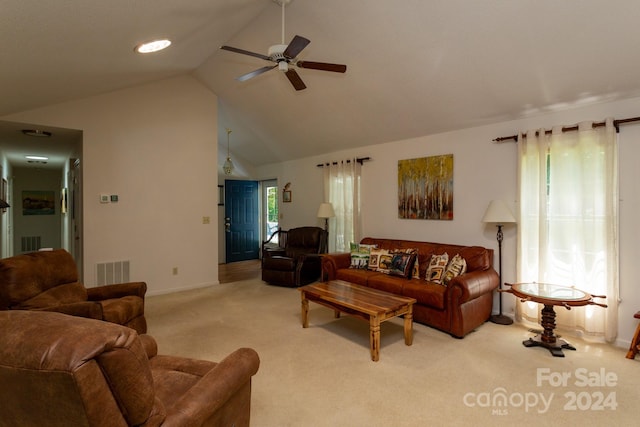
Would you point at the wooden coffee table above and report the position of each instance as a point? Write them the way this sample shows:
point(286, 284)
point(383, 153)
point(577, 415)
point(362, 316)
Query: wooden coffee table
point(362, 302)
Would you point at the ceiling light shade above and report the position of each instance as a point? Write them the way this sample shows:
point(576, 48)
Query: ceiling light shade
point(499, 213)
point(38, 133)
point(228, 165)
point(326, 211)
point(4, 205)
point(153, 46)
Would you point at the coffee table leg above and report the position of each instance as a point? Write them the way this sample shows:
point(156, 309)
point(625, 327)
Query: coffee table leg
point(305, 310)
point(408, 327)
point(374, 340)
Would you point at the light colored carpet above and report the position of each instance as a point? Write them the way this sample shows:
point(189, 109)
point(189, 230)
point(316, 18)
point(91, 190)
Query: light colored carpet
point(324, 376)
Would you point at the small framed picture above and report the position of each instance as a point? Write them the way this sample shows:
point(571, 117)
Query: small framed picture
point(286, 196)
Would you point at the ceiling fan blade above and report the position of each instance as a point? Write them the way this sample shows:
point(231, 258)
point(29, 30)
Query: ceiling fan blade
point(295, 47)
point(295, 79)
point(324, 66)
point(245, 52)
point(254, 73)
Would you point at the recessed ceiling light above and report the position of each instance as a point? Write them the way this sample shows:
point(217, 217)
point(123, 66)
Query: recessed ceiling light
point(153, 46)
point(37, 157)
point(37, 133)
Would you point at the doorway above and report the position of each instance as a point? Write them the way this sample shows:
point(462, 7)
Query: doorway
point(241, 220)
point(55, 174)
point(270, 212)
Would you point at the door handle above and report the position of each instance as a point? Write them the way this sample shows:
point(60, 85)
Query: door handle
point(227, 224)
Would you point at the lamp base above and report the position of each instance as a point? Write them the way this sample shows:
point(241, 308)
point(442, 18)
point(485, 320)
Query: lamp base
point(501, 319)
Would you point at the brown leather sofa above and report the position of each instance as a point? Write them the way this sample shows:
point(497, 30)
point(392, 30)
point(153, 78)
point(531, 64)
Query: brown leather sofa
point(60, 370)
point(48, 280)
point(297, 262)
point(457, 308)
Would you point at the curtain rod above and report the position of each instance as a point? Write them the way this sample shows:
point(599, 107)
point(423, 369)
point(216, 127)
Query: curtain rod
point(616, 124)
point(360, 160)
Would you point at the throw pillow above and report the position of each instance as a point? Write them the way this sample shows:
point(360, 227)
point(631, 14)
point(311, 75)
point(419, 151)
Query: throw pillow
point(415, 270)
point(456, 267)
point(401, 264)
point(437, 267)
point(380, 260)
point(360, 255)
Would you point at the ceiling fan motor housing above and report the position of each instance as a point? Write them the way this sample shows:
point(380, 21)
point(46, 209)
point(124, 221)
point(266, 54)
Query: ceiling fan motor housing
point(276, 52)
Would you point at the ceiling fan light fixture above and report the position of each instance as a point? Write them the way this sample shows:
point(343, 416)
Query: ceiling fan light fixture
point(38, 133)
point(283, 66)
point(228, 164)
point(153, 46)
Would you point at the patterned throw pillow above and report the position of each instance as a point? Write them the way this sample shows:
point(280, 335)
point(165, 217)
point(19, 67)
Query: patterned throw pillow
point(360, 255)
point(402, 263)
point(380, 260)
point(456, 267)
point(415, 266)
point(437, 267)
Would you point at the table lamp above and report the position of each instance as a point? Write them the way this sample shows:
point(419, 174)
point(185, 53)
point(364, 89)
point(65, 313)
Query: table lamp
point(499, 213)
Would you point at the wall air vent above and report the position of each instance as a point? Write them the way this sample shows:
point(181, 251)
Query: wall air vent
point(110, 273)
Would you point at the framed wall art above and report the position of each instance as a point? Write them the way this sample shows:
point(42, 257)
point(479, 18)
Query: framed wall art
point(286, 196)
point(38, 203)
point(425, 188)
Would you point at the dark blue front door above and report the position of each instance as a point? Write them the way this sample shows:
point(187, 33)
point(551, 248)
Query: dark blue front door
point(242, 233)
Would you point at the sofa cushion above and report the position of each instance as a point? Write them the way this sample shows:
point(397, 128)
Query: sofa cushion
point(437, 267)
point(387, 283)
point(456, 267)
point(354, 275)
point(279, 263)
point(477, 258)
point(60, 295)
point(426, 293)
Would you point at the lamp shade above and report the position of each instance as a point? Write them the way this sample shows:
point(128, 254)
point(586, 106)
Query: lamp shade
point(498, 212)
point(326, 211)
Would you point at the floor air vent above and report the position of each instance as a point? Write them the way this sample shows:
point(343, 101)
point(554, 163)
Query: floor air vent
point(109, 273)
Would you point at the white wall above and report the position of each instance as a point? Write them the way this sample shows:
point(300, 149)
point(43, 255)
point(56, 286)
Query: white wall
point(155, 146)
point(483, 171)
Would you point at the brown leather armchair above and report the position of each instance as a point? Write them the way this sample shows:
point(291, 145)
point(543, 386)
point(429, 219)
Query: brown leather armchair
point(297, 263)
point(59, 370)
point(48, 280)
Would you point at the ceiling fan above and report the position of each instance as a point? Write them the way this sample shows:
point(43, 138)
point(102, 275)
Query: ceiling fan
point(285, 58)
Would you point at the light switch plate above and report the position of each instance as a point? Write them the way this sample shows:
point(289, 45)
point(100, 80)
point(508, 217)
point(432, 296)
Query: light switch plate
point(104, 198)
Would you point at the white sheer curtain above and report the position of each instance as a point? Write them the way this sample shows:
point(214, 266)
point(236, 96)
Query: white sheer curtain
point(342, 189)
point(568, 222)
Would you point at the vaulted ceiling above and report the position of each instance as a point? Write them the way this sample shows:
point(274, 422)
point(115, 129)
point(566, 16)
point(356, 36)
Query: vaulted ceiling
point(414, 67)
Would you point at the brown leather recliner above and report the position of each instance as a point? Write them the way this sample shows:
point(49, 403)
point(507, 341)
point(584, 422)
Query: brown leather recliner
point(60, 370)
point(48, 280)
point(298, 262)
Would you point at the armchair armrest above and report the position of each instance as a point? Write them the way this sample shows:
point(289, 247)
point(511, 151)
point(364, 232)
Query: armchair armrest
point(214, 389)
point(333, 262)
point(88, 309)
point(149, 344)
point(117, 291)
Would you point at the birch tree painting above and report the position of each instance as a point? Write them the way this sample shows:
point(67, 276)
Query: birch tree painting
point(425, 188)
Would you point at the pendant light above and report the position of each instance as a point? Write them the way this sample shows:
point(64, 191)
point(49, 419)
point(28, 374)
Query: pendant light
point(228, 165)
